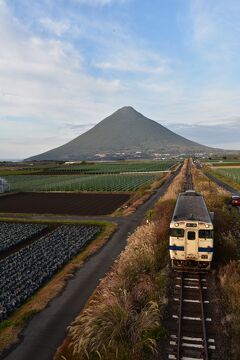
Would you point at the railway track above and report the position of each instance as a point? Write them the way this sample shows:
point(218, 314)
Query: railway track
point(188, 184)
point(191, 332)
point(190, 328)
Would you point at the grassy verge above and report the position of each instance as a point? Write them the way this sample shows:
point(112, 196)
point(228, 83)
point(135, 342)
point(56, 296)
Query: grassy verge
point(11, 328)
point(222, 177)
point(227, 256)
point(53, 221)
point(123, 319)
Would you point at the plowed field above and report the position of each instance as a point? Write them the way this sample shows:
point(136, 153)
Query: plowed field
point(62, 203)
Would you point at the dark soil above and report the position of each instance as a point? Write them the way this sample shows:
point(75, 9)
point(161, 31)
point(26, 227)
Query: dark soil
point(62, 203)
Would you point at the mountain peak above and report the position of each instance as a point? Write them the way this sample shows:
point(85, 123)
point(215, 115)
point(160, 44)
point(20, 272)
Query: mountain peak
point(127, 108)
point(125, 133)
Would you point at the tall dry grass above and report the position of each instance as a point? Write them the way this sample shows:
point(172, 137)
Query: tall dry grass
point(227, 254)
point(123, 319)
point(177, 185)
point(226, 222)
point(230, 282)
point(214, 195)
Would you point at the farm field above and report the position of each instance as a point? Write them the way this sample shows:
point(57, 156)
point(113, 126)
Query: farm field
point(223, 163)
point(12, 234)
point(113, 168)
point(62, 203)
point(23, 272)
point(232, 173)
point(102, 183)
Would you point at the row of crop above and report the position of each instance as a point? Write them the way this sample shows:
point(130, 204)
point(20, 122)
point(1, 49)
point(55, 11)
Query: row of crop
point(109, 183)
point(15, 233)
point(110, 168)
point(232, 173)
point(24, 272)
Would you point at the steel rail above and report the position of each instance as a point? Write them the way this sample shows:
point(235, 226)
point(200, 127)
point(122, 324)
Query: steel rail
point(188, 178)
point(179, 336)
point(205, 342)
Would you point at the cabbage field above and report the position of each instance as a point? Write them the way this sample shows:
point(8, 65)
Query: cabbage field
point(12, 234)
point(232, 173)
point(113, 168)
point(102, 183)
point(23, 272)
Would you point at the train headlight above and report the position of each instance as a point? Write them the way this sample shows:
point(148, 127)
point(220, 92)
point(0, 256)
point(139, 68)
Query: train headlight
point(176, 224)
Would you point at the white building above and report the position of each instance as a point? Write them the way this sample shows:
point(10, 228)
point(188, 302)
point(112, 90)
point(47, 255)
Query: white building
point(4, 186)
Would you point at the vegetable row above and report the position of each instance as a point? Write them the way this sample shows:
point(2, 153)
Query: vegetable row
point(24, 272)
point(14, 233)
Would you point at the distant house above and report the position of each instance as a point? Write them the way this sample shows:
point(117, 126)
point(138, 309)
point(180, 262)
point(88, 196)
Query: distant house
point(4, 186)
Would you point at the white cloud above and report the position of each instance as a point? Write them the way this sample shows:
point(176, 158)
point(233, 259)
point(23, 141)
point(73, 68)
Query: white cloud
point(44, 78)
point(223, 134)
point(135, 61)
point(58, 28)
point(50, 78)
point(44, 81)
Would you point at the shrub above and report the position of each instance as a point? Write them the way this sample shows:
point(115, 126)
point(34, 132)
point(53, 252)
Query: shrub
point(123, 319)
point(230, 281)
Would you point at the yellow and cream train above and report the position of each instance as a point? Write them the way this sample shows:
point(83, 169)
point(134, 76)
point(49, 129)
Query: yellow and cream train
point(191, 233)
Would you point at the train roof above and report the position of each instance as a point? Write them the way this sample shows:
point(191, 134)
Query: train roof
point(191, 206)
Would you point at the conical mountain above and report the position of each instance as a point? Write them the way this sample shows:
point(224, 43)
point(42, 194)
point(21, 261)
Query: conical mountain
point(124, 133)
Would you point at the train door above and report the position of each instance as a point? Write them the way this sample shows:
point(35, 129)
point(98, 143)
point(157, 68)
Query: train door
point(191, 244)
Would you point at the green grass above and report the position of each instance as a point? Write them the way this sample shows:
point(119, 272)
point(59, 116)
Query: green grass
point(102, 183)
point(232, 173)
point(5, 323)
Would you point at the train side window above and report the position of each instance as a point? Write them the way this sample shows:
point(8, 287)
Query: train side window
point(177, 232)
point(191, 235)
point(205, 234)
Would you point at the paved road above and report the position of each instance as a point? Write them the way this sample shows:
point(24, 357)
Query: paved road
point(47, 330)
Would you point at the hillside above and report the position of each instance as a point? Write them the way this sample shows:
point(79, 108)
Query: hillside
point(124, 134)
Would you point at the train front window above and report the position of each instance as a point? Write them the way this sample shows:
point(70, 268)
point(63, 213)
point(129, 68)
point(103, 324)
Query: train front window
point(205, 234)
point(191, 235)
point(177, 232)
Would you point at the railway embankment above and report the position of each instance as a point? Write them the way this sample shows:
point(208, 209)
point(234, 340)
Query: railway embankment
point(123, 319)
point(226, 262)
point(223, 181)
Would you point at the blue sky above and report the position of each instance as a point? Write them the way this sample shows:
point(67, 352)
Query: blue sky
point(66, 65)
